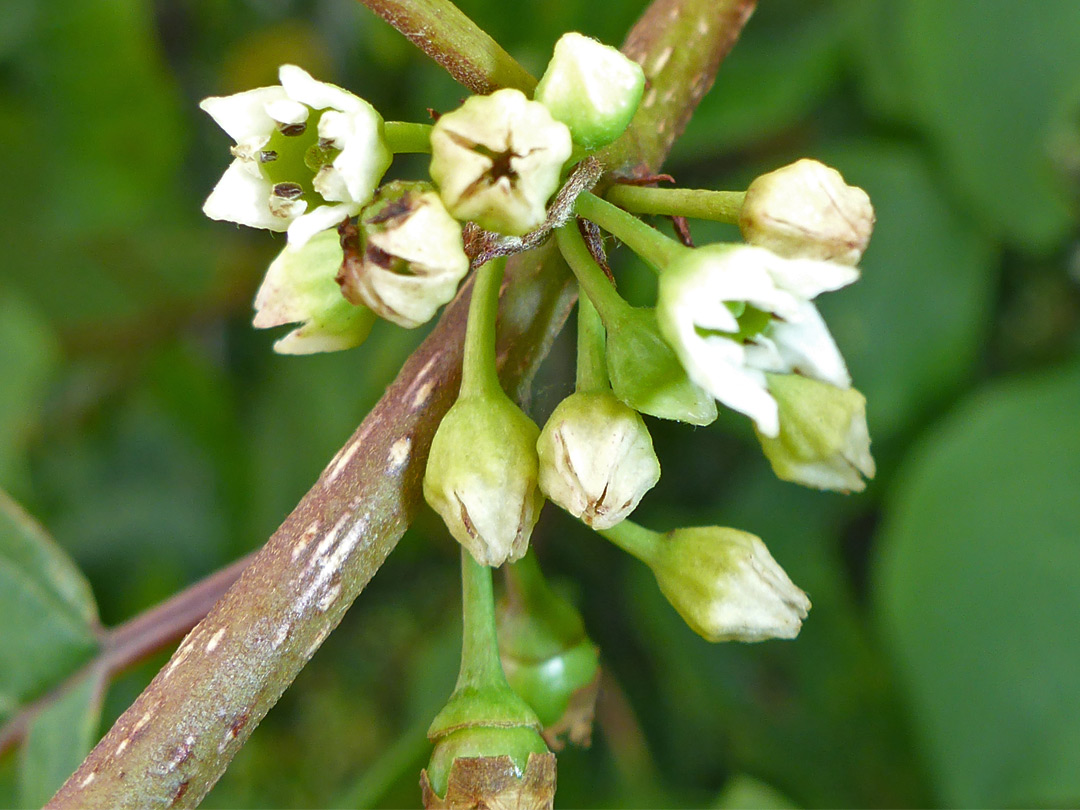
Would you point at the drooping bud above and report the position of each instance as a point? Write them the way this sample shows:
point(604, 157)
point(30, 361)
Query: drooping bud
point(482, 477)
point(823, 442)
point(596, 458)
point(806, 210)
point(411, 255)
point(299, 288)
point(547, 656)
point(726, 585)
point(497, 159)
point(592, 88)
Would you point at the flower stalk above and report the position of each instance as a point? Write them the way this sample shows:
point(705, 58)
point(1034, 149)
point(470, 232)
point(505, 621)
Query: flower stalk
point(478, 375)
point(405, 137)
point(718, 206)
point(651, 245)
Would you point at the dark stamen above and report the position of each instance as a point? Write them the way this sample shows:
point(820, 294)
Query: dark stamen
point(267, 156)
point(292, 130)
point(288, 191)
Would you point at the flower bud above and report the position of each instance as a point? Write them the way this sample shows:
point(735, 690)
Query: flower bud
point(646, 373)
point(412, 256)
point(546, 655)
point(481, 477)
point(592, 88)
point(806, 210)
point(596, 458)
point(299, 288)
point(497, 160)
point(823, 440)
point(727, 586)
point(465, 771)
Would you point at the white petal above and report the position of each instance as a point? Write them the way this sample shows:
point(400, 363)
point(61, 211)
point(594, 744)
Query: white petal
point(307, 339)
point(364, 155)
point(301, 87)
point(717, 364)
point(243, 198)
point(809, 349)
point(243, 115)
point(807, 278)
point(287, 111)
point(331, 185)
point(319, 219)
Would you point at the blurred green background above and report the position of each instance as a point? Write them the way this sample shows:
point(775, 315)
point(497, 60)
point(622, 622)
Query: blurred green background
point(157, 437)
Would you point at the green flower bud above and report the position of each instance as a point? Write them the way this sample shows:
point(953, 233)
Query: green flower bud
point(727, 586)
point(823, 440)
point(497, 159)
point(412, 256)
point(546, 655)
point(299, 288)
point(481, 477)
point(806, 210)
point(646, 373)
point(596, 458)
point(592, 88)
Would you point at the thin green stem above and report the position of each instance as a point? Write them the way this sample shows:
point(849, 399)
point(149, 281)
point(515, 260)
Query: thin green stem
point(480, 665)
point(590, 277)
point(405, 136)
point(720, 206)
point(478, 374)
point(591, 346)
point(648, 243)
point(634, 539)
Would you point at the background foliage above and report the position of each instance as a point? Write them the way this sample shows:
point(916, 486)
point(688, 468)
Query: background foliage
point(157, 437)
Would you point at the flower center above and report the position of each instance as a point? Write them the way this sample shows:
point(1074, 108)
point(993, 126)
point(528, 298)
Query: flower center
point(293, 156)
point(752, 322)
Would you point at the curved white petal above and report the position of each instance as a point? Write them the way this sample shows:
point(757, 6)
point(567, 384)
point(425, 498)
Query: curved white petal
point(809, 349)
point(243, 198)
point(364, 155)
point(318, 219)
point(287, 111)
point(301, 87)
point(243, 115)
point(807, 278)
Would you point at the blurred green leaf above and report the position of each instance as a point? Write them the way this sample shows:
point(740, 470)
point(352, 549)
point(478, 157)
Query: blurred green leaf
point(986, 80)
point(28, 358)
point(49, 617)
point(912, 327)
point(59, 738)
point(976, 594)
point(744, 792)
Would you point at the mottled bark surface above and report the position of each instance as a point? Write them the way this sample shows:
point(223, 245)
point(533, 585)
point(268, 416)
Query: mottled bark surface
point(170, 747)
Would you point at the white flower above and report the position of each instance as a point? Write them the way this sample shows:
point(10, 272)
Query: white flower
point(300, 288)
point(806, 210)
point(592, 88)
point(734, 312)
point(412, 259)
point(727, 586)
point(497, 159)
point(596, 458)
point(308, 154)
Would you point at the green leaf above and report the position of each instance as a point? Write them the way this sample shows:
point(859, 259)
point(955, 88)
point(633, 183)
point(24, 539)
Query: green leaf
point(988, 82)
point(49, 616)
point(28, 356)
point(743, 792)
point(911, 328)
point(59, 738)
point(977, 598)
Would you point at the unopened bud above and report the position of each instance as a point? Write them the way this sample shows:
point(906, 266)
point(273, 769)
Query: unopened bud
point(412, 257)
point(592, 88)
point(497, 160)
point(471, 779)
point(806, 210)
point(596, 458)
point(823, 441)
point(481, 477)
point(299, 288)
point(727, 586)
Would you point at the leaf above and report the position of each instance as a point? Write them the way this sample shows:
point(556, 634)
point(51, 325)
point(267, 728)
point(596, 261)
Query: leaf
point(49, 616)
point(743, 792)
point(912, 327)
point(59, 738)
point(976, 594)
point(987, 83)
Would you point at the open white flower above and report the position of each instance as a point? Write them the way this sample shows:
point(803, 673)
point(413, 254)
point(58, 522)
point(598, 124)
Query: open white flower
point(734, 312)
point(308, 154)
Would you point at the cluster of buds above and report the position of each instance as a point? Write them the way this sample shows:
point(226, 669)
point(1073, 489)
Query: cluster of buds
point(734, 324)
